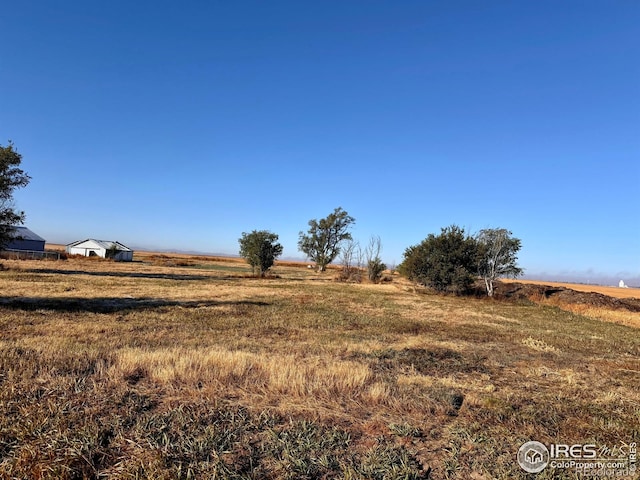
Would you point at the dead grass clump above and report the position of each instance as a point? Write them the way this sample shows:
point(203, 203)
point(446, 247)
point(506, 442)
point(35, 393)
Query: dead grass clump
point(333, 379)
point(539, 345)
point(275, 375)
point(378, 393)
point(350, 275)
point(175, 366)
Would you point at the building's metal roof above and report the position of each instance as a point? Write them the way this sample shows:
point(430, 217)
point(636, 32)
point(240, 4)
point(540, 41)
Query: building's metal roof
point(106, 244)
point(23, 233)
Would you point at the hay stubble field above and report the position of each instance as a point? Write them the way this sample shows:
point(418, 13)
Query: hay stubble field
point(177, 366)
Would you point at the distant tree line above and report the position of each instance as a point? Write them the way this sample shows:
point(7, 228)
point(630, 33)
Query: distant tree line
point(449, 262)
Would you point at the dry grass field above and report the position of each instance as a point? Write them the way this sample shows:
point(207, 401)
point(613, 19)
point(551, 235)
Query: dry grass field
point(176, 366)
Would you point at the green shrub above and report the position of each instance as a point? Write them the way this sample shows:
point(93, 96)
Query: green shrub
point(445, 262)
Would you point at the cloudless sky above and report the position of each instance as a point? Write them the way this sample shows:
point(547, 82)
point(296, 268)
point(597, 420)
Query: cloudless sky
point(179, 125)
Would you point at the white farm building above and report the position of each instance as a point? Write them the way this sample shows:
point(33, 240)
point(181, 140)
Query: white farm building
point(101, 248)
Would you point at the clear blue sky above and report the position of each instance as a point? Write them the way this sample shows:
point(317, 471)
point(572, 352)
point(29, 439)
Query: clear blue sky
point(179, 125)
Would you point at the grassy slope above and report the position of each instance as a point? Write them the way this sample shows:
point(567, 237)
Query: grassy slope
point(615, 292)
point(163, 371)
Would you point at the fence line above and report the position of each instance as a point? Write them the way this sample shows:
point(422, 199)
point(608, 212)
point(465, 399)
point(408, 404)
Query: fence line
point(28, 254)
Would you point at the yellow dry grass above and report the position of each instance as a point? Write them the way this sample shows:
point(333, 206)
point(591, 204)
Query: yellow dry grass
point(288, 375)
point(621, 316)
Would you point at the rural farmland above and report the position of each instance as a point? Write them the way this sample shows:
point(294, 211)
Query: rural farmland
point(178, 366)
point(430, 162)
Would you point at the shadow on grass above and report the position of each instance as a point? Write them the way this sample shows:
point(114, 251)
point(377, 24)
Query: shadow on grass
point(434, 361)
point(110, 304)
point(162, 276)
point(172, 276)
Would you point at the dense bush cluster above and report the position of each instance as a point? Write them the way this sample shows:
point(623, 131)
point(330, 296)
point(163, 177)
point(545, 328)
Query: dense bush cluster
point(444, 262)
point(452, 260)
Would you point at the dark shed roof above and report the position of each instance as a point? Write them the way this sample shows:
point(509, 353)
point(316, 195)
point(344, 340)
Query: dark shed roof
point(23, 233)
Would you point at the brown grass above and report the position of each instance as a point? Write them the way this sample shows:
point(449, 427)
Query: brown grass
point(590, 302)
point(620, 316)
point(154, 369)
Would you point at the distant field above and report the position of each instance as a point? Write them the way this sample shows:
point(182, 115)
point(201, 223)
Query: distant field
point(580, 287)
point(186, 367)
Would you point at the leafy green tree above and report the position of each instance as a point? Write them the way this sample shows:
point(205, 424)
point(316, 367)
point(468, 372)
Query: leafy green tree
point(322, 241)
point(445, 262)
point(11, 177)
point(260, 249)
point(497, 256)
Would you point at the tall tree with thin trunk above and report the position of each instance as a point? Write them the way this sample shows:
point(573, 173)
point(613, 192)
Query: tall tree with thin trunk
point(351, 261)
point(11, 178)
point(322, 241)
point(497, 256)
point(375, 267)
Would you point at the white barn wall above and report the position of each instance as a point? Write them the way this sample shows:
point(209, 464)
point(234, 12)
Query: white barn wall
point(99, 248)
point(86, 247)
